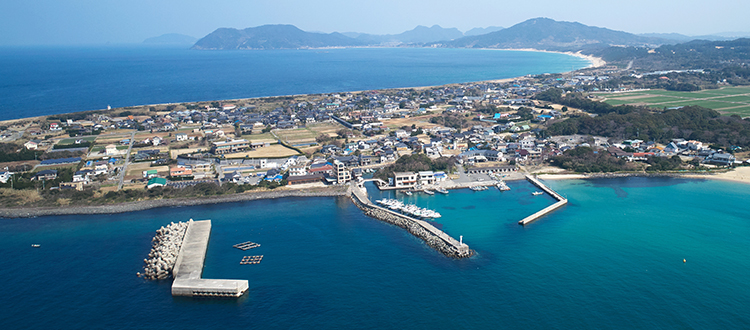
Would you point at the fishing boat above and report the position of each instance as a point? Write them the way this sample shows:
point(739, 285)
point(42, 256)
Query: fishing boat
point(408, 193)
point(478, 188)
point(502, 186)
point(36, 245)
point(537, 193)
point(441, 190)
point(429, 192)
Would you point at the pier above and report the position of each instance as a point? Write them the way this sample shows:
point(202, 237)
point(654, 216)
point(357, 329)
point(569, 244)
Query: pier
point(434, 237)
point(188, 268)
point(560, 202)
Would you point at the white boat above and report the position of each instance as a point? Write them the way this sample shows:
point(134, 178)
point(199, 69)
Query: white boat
point(408, 193)
point(36, 245)
point(441, 190)
point(537, 193)
point(429, 192)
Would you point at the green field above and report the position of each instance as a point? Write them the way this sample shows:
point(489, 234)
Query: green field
point(73, 140)
point(728, 100)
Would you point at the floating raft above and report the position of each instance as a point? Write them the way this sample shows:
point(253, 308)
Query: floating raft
point(246, 245)
point(251, 260)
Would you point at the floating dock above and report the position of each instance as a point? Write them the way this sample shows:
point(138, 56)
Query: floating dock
point(560, 202)
point(188, 268)
point(246, 245)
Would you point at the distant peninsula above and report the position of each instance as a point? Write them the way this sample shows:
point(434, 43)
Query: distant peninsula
point(537, 33)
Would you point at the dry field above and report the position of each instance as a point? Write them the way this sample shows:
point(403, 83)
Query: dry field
point(273, 151)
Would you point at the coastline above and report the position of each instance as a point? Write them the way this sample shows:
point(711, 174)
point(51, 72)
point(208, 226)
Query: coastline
point(594, 62)
point(30, 212)
point(738, 175)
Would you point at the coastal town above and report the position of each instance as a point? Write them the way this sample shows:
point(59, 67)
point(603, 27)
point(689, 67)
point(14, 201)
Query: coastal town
point(321, 140)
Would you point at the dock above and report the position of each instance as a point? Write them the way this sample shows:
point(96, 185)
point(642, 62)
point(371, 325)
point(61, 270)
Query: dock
point(188, 268)
point(560, 202)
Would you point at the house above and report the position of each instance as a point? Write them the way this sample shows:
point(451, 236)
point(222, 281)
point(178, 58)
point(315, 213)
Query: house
point(230, 146)
point(72, 185)
point(180, 170)
point(111, 149)
point(401, 134)
point(83, 176)
point(404, 179)
point(32, 144)
point(45, 175)
point(156, 182)
point(54, 127)
point(426, 177)
point(342, 174)
point(302, 179)
point(148, 174)
point(298, 170)
point(181, 137)
point(719, 158)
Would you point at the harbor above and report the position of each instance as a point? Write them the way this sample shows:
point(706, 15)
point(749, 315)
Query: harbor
point(433, 237)
point(188, 268)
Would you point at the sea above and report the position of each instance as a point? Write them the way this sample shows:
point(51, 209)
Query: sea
point(655, 253)
point(626, 253)
point(36, 81)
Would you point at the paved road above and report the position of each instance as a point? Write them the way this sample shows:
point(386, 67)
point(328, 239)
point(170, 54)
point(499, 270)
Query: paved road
point(127, 162)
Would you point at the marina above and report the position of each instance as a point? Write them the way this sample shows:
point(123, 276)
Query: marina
point(409, 209)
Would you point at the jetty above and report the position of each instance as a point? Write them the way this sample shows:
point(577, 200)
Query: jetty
point(434, 237)
point(188, 268)
point(560, 201)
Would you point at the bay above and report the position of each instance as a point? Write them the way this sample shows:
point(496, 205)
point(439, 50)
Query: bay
point(612, 258)
point(53, 80)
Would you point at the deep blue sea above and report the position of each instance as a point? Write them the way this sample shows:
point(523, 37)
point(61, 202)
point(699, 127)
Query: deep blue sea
point(52, 80)
point(611, 259)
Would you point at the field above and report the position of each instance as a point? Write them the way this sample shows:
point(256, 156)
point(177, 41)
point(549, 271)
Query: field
point(728, 100)
point(300, 136)
point(73, 140)
point(272, 151)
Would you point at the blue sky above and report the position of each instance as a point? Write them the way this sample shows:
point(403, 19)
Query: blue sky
point(132, 21)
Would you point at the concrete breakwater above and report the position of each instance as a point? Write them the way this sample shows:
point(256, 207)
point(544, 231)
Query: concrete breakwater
point(560, 202)
point(29, 212)
point(165, 248)
point(434, 237)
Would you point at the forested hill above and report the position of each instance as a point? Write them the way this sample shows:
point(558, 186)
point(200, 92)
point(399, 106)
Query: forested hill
point(548, 34)
point(696, 54)
point(272, 37)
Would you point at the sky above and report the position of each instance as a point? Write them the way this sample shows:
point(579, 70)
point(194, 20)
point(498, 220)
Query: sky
point(76, 22)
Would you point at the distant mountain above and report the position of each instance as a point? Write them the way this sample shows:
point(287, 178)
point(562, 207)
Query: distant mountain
point(420, 34)
point(548, 34)
point(481, 31)
point(171, 39)
point(272, 37)
point(726, 36)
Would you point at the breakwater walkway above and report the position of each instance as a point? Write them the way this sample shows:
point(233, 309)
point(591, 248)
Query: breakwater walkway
point(560, 201)
point(434, 237)
point(188, 268)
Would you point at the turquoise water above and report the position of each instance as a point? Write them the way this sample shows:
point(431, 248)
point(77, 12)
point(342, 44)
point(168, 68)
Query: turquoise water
point(53, 80)
point(612, 258)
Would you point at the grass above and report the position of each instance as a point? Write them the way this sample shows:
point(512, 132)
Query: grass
point(730, 98)
point(73, 140)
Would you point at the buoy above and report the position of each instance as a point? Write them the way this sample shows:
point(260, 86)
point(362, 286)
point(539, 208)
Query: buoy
point(684, 261)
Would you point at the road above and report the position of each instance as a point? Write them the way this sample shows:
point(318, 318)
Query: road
point(127, 162)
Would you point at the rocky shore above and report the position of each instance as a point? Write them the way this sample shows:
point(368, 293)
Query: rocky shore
point(28, 212)
point(165, 247)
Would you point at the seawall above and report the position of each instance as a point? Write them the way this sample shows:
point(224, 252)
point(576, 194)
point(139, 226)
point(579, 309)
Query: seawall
point(28, 212)
point(560, 202)
point(435, 238)
point(188, 269)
